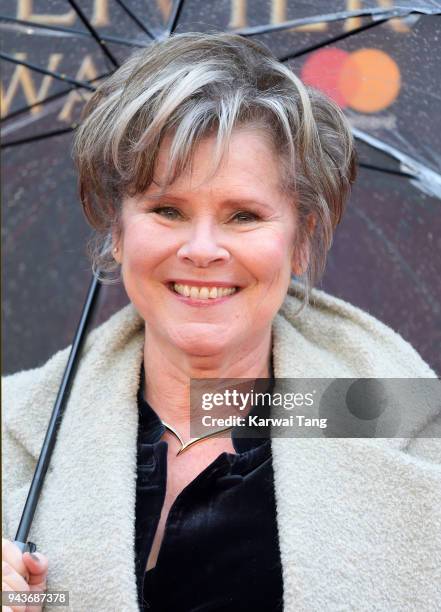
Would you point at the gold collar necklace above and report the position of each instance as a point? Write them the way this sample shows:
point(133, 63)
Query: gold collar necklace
point(187, 445)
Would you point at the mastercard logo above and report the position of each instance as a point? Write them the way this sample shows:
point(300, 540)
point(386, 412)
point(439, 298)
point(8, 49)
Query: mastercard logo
point(367, 80)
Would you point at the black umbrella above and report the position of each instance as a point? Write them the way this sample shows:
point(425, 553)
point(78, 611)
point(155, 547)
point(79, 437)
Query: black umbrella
point(378, 62)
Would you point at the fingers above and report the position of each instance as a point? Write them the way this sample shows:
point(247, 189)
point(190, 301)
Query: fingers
point(13, 579)
point(37, 565)
point(13, 555)
point(23, 572)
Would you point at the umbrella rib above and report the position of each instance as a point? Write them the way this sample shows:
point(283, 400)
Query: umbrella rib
point(61, 29)
point(55, 75)
point(380, 13)
point(25, 109)
point(54, 96)
point(176, 13)
point(388, 170)
point(135, 18)
point(20, 141)
point(333, 39)
point(94, 33)
point(430, 179)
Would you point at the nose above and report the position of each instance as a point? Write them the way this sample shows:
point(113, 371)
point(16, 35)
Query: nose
point(201, 246)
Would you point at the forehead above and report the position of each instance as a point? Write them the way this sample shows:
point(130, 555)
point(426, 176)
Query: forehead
point(250, 164)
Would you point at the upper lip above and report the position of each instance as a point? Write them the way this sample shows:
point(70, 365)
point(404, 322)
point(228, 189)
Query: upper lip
point(201, 283)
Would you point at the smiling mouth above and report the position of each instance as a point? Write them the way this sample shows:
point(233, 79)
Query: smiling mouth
point(202, 293)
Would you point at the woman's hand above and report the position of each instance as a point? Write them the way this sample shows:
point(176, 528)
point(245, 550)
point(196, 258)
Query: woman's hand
point(23, 572)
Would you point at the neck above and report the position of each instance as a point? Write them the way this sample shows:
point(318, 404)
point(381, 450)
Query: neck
point(168, 372)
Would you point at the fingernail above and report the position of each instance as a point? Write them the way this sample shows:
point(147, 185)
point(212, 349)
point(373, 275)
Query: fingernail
point(35, 558)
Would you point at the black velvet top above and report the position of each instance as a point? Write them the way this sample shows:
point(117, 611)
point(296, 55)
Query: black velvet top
point(220, 550)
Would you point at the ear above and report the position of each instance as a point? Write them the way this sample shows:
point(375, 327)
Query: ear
point(116, 246)
point(300, 260)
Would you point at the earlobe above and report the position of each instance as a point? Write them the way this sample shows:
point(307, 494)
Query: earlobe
point(116, 245)
point(115, 252)
point(300, 260)
point(116, 248)
point(312, 222)
point(297, 269)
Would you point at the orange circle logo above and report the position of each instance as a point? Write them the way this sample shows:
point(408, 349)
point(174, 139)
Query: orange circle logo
point(367, 80)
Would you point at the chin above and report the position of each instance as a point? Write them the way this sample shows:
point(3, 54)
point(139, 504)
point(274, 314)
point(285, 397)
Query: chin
point(202, 340)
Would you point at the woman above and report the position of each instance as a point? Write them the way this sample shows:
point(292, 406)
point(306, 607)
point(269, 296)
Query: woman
point(212, 175)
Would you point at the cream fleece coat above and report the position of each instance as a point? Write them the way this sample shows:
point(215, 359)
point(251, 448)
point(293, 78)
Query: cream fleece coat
point(359, 519)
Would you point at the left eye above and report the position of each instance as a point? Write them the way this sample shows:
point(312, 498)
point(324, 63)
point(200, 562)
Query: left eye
point(244, 217)
point(169, 212)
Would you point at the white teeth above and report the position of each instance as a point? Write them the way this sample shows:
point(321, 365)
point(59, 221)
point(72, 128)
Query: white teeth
point(203, 293)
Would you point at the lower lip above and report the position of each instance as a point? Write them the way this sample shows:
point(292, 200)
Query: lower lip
point(198, 302)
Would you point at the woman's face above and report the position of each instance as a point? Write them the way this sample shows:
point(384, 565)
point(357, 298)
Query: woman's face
point(234, 231)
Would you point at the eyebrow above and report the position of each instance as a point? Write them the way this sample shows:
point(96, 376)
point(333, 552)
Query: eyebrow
point(248, 202)
point(230, 202)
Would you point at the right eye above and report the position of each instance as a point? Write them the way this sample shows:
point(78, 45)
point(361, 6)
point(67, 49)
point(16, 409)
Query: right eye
point(169, 212)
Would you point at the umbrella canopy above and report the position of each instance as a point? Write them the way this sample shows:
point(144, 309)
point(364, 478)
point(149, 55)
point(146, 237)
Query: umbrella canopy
point(377, 59)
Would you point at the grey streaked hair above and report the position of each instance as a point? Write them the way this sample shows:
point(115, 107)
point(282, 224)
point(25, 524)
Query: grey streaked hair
point(193, 85)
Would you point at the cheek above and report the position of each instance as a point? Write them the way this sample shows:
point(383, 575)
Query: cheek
point(272, 254)
point(144, 245)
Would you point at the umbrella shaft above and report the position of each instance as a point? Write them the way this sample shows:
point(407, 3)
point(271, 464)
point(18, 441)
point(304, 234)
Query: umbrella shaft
point(57, 414)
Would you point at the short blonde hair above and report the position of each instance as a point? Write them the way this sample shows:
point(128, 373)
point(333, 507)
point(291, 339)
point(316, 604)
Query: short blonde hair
point(193, 85)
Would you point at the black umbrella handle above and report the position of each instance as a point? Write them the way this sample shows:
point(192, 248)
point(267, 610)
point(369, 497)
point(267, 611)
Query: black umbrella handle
point(55, 420)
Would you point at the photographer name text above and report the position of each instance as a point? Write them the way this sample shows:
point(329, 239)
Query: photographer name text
point(298, 420)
